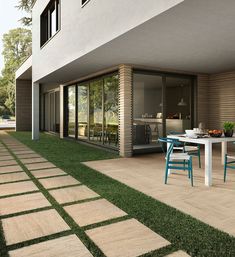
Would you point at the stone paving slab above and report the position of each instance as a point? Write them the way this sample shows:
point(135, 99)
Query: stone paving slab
point(13, 177)
point(178, 254)
point(34, 225)
point(19, 149)
point(2, 150)
point(39, 166)
point(48, 173)
point(73, 194)
point(24, 152)
point(28, 156)
point(6, 157)
point(7, 163)
point(69, 246)
point(22, 203)
point(33, 160)
point(128, 238)
point(9, 169)
point(17, 188)
point(50, 183)
point(93, 212)
point(6, 153)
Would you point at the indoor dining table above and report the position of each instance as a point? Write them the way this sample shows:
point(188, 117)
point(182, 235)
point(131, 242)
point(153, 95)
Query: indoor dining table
point(208, 143)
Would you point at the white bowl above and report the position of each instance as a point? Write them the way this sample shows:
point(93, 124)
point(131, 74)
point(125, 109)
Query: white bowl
point(190, 133)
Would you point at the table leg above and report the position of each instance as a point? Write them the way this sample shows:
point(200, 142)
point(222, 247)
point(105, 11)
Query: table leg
point(208, 164)
point(224, 150)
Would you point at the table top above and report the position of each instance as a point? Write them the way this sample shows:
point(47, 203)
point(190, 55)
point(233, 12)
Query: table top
point(206, 140)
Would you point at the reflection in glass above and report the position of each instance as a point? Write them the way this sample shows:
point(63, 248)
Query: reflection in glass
point(71, 110)
point(147, 111)
point(178, 104)
point(111, 111)
point(96, 111)
point(83, 112)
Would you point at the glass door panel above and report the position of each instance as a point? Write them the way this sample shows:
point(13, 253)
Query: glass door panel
point(178, 104)
point(71, 110)
point(147, 111)
point(83, 111)
point(57, 112)
point(111, 111)
point(96, 111)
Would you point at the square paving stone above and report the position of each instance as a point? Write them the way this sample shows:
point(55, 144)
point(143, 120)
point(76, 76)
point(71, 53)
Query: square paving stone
point(178, 254)
point(28, 156)
point(38, 166)
point(9, 169)
point(17, 188)
point(12, 177)
point(33, 160)
point(7, 163)
point(93, 212)
point(128, 238)
point(68, 246)
point(6, 157)
point(24, 152)
point(34, 225)
point(73, 194)
point(48, 173)
point(22, 203)
point(62, 181)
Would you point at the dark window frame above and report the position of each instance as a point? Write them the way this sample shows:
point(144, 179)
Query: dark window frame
point(46, 21)
point(84, 2)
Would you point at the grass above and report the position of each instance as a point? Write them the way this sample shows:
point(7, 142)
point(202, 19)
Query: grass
point(183, 231)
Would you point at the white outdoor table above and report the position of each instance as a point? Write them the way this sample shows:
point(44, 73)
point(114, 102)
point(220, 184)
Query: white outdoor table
point(208, 142)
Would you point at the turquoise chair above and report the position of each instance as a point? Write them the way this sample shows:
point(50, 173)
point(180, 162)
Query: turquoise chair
point(229, 163)
point(176, 161)
point(193, 150)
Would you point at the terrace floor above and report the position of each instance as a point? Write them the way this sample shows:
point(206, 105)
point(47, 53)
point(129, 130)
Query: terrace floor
point(213, 205)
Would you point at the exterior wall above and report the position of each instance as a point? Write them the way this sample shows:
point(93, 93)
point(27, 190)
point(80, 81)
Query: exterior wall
point(125, 111)
point(23, 105)
point(221, 99)
point(77, 28)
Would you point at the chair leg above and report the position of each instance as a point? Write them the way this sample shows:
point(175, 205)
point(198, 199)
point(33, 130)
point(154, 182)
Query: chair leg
point(191, 171)
point(166, 173)
point(225, 168)
point(189, 175)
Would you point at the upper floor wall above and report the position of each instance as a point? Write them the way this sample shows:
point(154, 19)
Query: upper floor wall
point(83, 29)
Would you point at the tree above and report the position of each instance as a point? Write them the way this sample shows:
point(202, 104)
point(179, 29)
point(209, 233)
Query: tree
point(16, 48)
point(26, 5)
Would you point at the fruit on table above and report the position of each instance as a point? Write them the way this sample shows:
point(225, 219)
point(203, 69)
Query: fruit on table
point(215, 131)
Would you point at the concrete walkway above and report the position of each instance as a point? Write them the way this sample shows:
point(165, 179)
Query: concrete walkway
point(29, 218)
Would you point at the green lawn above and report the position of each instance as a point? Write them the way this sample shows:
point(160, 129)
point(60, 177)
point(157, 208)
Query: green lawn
point(183, 231)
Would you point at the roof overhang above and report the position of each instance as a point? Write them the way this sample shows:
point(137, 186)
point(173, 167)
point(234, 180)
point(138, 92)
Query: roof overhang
point(24, 72)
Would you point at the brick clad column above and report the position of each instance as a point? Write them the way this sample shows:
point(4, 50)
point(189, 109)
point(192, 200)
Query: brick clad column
point(125, 111)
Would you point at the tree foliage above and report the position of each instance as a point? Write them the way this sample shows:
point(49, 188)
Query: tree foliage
point(16, 48)
point(26, 5)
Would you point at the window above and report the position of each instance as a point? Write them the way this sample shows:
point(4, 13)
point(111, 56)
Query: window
point(85, 2)
point(50, 21)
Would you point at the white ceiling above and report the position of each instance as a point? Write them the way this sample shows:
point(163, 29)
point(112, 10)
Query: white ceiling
point(197, 36)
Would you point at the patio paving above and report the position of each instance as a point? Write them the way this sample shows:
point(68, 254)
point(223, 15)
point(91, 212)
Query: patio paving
point(28, 156)
point(48, 173)
point(5, 153)
point(17, 188)
point(34, 225)
point(13, 177)
point(69, 246)
point(9, 169)
point(7, 163)
point(178, 254)
point(128, 238)
point(83, 213)
point(38, 166)
point(22, 203)
point(73, 194)
point(23, 152)
point(6, 157)
point(62, 181)
point(33, 160)
point(212, 205)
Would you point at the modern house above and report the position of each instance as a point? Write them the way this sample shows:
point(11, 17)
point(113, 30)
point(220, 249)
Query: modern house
point(119, 74)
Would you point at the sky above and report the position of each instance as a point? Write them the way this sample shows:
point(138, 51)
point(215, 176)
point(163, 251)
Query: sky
point(9, 19)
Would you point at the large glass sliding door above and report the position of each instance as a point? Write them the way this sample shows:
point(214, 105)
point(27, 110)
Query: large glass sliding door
point(162, 104)
point(96, 105)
